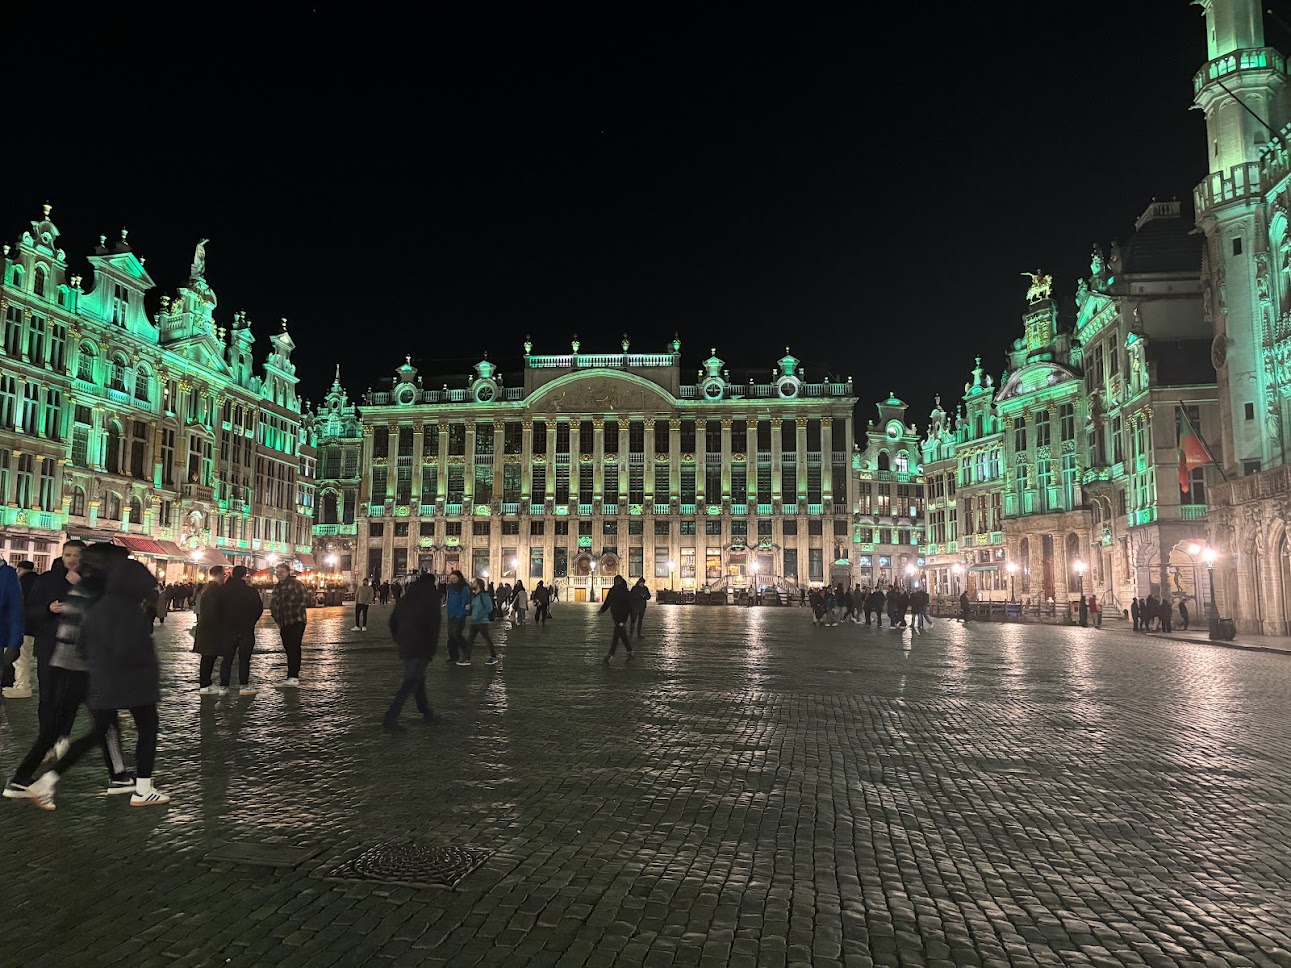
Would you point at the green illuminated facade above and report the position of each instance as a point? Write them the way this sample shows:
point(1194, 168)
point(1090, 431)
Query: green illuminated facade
point(1243, 208)
point(888, 510)
point(596, 464)
point(151, 431)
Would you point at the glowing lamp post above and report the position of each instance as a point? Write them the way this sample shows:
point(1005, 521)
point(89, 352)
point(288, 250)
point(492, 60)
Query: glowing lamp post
point(592, 582)
point(672, 575)
point(753, 570)
point(1012, 567)
point(958, 571)
point(1082, 608)
point(1212, 613)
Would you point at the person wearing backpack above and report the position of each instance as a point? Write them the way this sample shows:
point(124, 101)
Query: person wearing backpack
point(481, 615)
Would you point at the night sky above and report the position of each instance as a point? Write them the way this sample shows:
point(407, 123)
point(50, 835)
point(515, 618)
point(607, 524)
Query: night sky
point(867, 194)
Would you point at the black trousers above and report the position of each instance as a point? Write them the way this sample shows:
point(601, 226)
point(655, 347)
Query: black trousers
point(69, 688)
point(635, 622)
point(293, 634)
point(242, 649)
point(620, 632)
point(105, 721)
point(360, 615)
point(205, 669)
point(414, 684)
point(478, 629)
point(456, 644)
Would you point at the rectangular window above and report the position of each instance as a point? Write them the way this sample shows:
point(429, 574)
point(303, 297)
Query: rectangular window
point(662, 529)
point(379, 484)
point(400, 529)
point(739, 527)
point(480, 528)
point(713, 564)
point(381, 442)
point(636, 484)
point(484, 440)
point(713, 527)
point(636, 562)
point(480, 563)
point(429, 483)
point(765, 528)
point(538, 484)
point(789, 483)
point(688, 484)
point(609, 526)
point(512, 437)
point(636, 526)
point(535, 563)
point(790, 528)
point(636, 437)
point(560, 563)
point(815, 527)
point(661, 561)
point(610, 437)
point(426, 529)
point(456, 483)
point(688, 564)
point(585, 489)
point(687, 527)
point(1067, 417)
point(537, 529)
point(511, 483)
point(376, 529)
point(538, 437)
point(453, 529)
point(510, 526)
point(662, 431)
point(713, 483)
point(561, 528)
point(1118, 442)
point(815, 564)
point(791, 563)
point(841, 528)
point(1042, 437)
point(457, 440)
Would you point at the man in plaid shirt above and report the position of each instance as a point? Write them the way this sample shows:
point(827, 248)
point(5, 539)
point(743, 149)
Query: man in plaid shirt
point(288, 605)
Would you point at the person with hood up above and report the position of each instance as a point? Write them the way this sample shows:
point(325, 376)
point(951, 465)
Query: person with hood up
point(619, 604)
point(123, 674)
point(240, 609)
point(640, 596)
point(67, 675)
point(208, 633)
point(414, 626)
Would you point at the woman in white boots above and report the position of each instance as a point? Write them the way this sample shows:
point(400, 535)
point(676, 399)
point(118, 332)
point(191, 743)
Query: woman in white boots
point(123, 671)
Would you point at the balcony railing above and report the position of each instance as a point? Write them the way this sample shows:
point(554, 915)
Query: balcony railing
point(739, 509)
point(816, 510)
point(426, 510)
point(610, 508)
point(1219, 187)
point(789, 508)
point(509, 507)
point(452, 509)
point(688, 509)
point(1192, 512)
point(584, 510)
point(536, 508)
point(196, 492)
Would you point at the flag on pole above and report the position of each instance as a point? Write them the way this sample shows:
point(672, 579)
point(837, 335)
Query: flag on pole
point(1192, 452)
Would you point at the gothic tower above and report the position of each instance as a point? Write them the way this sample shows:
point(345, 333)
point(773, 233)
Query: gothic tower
point(1242, 91)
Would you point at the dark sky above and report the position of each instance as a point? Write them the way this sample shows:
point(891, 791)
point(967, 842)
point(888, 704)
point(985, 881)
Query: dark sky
point(868, 194)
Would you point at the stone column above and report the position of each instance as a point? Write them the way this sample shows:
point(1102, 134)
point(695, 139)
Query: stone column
point(647, 459)
point(499, 472)
point(701, 463)
point(827, 459)
point(674, 460)
point(418, 450)
point(526, 466)
point(468, 476)
point(598, 462)
point(777, 452)
point(726, 459)
point(800, 446)
point(441, 470)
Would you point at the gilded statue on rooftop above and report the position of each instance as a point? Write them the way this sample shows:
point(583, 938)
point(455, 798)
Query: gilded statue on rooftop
point(1040, 288)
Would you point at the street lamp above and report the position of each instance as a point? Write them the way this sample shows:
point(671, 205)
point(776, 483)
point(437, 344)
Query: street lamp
point(513, 564)
point(753, 570)
point(592, 594)
point(1012, 567)
point(909, 576)
point(958, 570)
point(271, 559)
point(672, 575)
point(1212, 613)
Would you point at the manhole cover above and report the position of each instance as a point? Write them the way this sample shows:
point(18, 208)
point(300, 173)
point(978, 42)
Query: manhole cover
point(264, 855)
point(412, 865)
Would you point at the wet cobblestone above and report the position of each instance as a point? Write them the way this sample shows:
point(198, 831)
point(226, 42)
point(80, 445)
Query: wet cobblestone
point(751, 790)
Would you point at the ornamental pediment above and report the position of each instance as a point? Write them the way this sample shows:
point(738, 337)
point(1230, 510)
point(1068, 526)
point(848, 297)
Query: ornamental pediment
point(605, 392)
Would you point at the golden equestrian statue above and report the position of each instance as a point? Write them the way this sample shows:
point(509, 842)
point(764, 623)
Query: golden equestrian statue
point(1040, 288)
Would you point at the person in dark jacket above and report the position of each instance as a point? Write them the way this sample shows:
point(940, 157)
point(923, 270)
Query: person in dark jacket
point(640, 596)
point(42, 608)
point(414, 626)
point(123, 674)
point(12, 624)
point(619, 604)
point(541, 599)
point(208, 635)
point(240, 609)
point(874, 603)
point(1134, 612)
point(289, 608)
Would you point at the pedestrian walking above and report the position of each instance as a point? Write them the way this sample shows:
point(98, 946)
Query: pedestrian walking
point(289, 608)
point(457, 608)
point(619, 604)
point(1134, 612)
point(24, 663)
point(1183, 614)
point(363, 596)
point(240, 609)
point(875, 602)
point(520, 602)
point(385, 592)
point(208, 634)
point(964, 606)
point(541, 603)
point(481, 614)
point(640, 597)
point(919, 602)
point(67, 676)
point(123, 674)
point(42, 609)
point(414, 626)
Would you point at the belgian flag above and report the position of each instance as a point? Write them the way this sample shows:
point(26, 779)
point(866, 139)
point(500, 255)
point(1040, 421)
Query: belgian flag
point(1192, 452)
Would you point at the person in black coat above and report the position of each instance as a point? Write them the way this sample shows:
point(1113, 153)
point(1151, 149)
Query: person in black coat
point(41, 610)
point(123, 674)
point(414, 626)
point(619, 604)
point(240, 609)
point(640, 595)
point(874, 603)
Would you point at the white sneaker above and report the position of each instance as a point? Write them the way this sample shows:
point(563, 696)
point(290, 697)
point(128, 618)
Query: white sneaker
point(13, 692)
point(289, 683)
point(247, 691)
point(209, 691)
point(41, 793)
point(357, 628)
point(153, 798)
point(222, 690)
point(364, 629)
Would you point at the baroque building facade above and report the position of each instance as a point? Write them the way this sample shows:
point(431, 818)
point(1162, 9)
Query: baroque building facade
point(889, 505)
point(152, 431)
point(1243, 208)
point(599, 464)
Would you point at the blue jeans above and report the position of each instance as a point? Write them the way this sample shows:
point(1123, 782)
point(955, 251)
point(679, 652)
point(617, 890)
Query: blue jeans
point(414, 684)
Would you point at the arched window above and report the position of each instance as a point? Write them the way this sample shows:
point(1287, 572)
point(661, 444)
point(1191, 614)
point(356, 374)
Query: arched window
point(136, 511)
point(903, 464)
point(77, 509)
point(143, 385)
point(15, 277)
point(329, 509)
point(117, 378)
point(112, 450)
point(112, 506)
point(139, 466)
point(85, 363)
point(884, 461)
point(38, 280)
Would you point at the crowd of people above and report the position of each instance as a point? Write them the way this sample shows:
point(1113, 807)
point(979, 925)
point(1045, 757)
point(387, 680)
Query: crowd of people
point(833, 605)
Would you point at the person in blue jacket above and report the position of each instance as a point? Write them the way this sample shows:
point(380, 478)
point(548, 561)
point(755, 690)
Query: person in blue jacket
point(11, 615)
point(481, 615)
point(457, 605)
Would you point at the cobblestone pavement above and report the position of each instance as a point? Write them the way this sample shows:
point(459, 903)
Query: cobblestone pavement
point(752, 790)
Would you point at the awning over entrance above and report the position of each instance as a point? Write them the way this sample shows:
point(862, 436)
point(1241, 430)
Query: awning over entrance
point(92, 534)
point(141, 546)
point(983, 567)
point(306, 559)
point(173, 550)
point(209, 557)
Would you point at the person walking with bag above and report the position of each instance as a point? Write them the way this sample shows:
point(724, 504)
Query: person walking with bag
point(520, 602)
point(541, 603)
point(619, 604)
point(481, 615)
